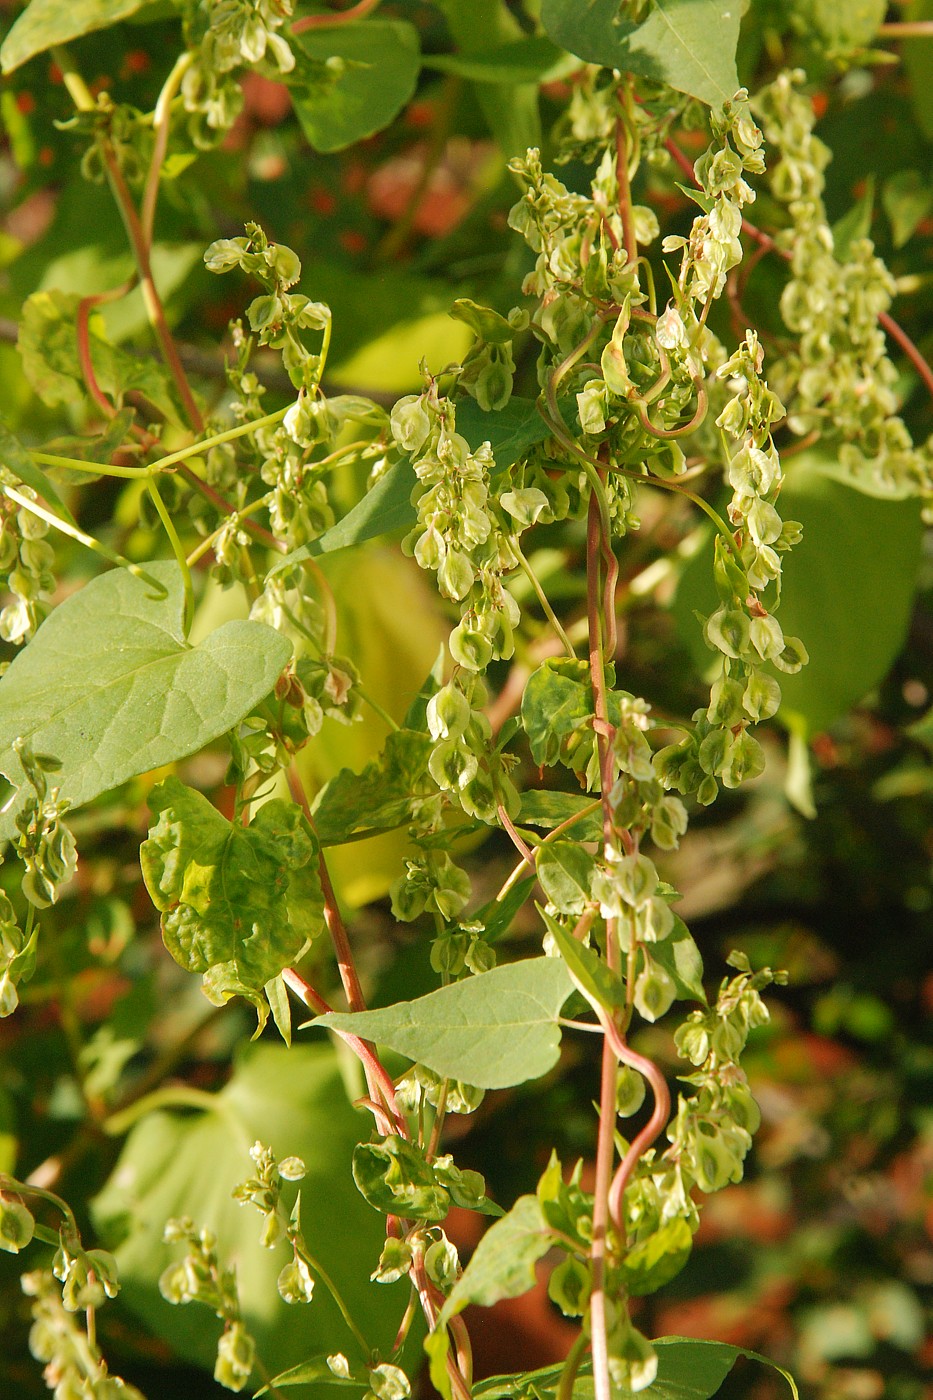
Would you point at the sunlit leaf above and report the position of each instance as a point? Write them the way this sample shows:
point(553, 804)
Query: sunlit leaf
point(236, 901)
point(379, 798)
point(46, 23)
point(381, 60)
point(497, 1029)
point(592, 973)
point(110, 687)
point(680, 957)
point(565, 869)
point(689, 44)
point(503, 1263)
point(688, 1369)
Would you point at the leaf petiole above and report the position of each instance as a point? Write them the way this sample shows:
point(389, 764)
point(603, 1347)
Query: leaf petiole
point(75, 533)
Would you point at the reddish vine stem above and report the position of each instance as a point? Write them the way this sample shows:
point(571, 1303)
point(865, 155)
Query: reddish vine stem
point(605, 1143)
point(332, 917)
point(605, 1151)
point(333, 21)
point(151, 299)
point(524, 850)
point(626, 211)
point(388, 1117)
point(913, 352)
point(431, 1311)
point(83, 337)
point(258, 532)
point(595, 598)
point(377, 1077)
point(764, 240)
point(655, 1125)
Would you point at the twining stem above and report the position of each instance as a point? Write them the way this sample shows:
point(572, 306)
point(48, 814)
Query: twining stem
point(237, 518)
point(524, 850)
point(332, 916)
point(378, 1081)
point(431, 1312)
point(332, 21)
point(258, 532)
point(626, 212)
point(140, 244)
point(655, 1125)
point(605, 1154)
point(151, 299)
point(605, 1142)
point(604, 732)
point(388, 1126)
point(161, 125)
point(552, 835)
point(83, 338)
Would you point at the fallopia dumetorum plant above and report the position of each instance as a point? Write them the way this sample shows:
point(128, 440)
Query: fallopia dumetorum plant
point(624, 389)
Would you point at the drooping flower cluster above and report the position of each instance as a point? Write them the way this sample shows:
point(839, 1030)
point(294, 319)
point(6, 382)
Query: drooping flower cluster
point(74, 1366)
point(225, 36)
point(459, 534)
point(711, 1132)
point(838, 379)
point(743, 629)
point(200, 1278)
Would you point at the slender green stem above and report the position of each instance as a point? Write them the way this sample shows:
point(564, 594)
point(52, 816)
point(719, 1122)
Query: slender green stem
point(325, 348)
point(229, 435)
point(571, 1367)
point(544, 601)
point(378, 709)
point(177, 549)
point(75, 464)
point(10, 1183)
point(558, 831)
point(317, 1267)
point(89, 542)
